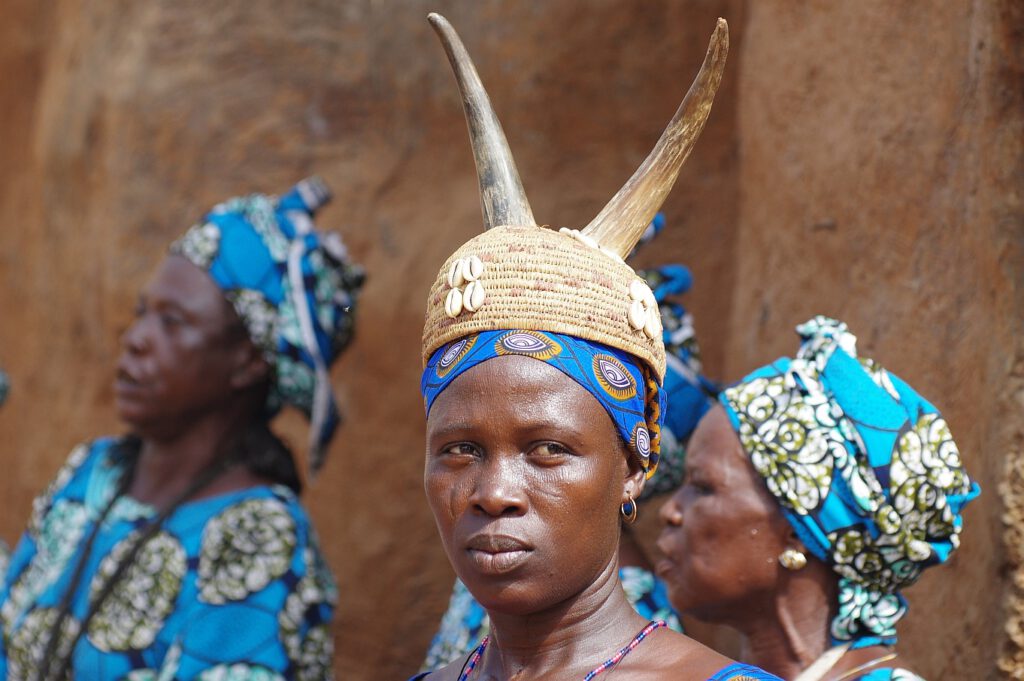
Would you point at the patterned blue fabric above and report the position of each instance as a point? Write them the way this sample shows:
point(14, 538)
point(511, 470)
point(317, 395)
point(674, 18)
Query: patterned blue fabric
point(232, 586)
point(623, 386)
point(888, 675)
point(465, 622)
point(864, 468)
point(743, 672)
point(293, 287)
point(688, 392)
point(5, 386)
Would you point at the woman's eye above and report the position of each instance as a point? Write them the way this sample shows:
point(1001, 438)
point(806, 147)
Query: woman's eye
point(550, 450)
point(701, 487)
point(460, 449)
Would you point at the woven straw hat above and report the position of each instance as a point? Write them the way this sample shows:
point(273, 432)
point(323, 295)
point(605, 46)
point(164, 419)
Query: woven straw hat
point(517, 275)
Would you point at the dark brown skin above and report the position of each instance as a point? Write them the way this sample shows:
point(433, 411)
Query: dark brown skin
point(525, 473)
point(188, 376)
point(722, 537)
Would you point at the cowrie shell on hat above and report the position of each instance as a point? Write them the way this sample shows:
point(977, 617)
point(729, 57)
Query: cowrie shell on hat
point(652, 326)
point(472, 268)
point(455, 276)
point(473, 298)
point(453, 303)
point(637, 315)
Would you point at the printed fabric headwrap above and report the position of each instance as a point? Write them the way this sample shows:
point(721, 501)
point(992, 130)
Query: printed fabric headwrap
point(864, 468)
point(689, 394)
point(623, 385)
point(294, 289)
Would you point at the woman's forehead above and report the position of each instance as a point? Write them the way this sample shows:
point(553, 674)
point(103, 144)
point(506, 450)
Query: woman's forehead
point(179, 282)
point(715, 445)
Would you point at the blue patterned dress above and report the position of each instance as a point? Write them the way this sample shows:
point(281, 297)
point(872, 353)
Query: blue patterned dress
point(232, 587)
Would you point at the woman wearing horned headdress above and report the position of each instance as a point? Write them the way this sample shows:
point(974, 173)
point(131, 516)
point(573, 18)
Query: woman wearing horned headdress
point(181, 550)
point(690, 395)
point(543, 385)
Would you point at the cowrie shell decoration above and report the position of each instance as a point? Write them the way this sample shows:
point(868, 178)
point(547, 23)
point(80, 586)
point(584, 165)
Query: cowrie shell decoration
point(453, 303)
point(644, 314)
point(464, 271)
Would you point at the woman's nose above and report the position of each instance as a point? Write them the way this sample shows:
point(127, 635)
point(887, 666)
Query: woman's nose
point(500, 490)
point(670, 512)
point(135, 339)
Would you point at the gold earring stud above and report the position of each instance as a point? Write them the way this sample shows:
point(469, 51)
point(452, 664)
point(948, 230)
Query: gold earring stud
point(791, 559)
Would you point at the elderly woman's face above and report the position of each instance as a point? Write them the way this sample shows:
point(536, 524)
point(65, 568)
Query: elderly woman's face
point(723, 530)
point(178, 355)
point(525, 473)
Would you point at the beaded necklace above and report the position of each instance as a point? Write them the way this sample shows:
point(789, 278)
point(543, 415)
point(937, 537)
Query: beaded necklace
point(474, 659)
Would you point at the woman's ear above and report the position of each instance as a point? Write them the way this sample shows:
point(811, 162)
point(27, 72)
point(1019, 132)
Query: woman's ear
point(636, 478)
point(250, 367)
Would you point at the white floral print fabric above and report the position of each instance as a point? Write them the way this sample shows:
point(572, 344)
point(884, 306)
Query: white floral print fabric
point(864, 468)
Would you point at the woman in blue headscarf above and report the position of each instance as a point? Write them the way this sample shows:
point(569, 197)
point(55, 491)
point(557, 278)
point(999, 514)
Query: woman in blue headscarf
point(816, 490)
point(688, 393)
point(181, 550)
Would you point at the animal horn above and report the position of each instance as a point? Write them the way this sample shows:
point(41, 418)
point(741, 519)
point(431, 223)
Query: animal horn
point(502, 197)
point(621, 223)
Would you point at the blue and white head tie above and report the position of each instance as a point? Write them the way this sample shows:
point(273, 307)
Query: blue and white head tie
point(294, 288)
point(623, 386)
point(864, 468)
point(689, 394)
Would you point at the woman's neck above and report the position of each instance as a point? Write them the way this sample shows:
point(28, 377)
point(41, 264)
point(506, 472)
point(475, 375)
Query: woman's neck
point(167, 466)
point(577, 634)
point(791, 631)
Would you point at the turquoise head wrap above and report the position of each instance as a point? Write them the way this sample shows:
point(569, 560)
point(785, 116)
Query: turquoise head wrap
point(864, 468)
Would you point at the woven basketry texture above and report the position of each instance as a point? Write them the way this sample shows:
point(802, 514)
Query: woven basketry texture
point(541, 280)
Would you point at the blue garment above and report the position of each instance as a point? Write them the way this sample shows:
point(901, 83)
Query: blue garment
point(232, 586)
point(465, 622)
point(863, 467)
point(688, 393)
point(888, 675)
point(622, 384)
point(293, 287)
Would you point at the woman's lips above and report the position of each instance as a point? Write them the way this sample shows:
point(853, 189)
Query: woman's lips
point(497, 554)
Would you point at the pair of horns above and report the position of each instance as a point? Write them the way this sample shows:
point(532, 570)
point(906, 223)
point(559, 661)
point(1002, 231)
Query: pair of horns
point(620, 224)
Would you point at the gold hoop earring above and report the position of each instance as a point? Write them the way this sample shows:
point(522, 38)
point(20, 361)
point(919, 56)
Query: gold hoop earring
point(629, 509)
point(791, 559)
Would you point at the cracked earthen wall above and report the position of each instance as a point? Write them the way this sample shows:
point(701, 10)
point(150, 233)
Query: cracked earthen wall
point(862, 159)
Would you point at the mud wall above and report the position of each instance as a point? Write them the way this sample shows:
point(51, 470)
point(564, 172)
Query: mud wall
point(862, 160)
point(880, 174)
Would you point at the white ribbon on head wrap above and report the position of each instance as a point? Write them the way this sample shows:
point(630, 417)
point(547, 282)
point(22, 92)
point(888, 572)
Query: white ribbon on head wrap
point(322, 392)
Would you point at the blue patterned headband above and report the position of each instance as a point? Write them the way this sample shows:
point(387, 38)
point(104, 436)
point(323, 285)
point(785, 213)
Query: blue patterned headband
point(293, 287)
point(864, 468)
point(624, 387)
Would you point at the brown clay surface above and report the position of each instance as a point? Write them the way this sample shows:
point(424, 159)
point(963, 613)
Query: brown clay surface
point(862, 160)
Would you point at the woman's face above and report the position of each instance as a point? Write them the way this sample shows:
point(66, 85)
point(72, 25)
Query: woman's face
point(179, 355)
point(723, 530)
point(525, 473)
